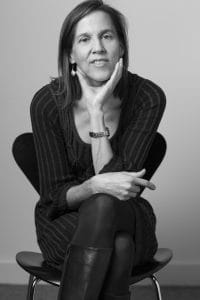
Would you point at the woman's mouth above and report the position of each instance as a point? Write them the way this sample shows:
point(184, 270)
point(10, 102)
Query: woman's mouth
point(99, 62)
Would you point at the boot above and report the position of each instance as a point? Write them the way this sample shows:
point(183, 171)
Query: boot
point(84, 272)
point(115, 297)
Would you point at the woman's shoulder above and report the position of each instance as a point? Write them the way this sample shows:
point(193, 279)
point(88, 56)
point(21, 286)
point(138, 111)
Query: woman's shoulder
point(44, 100)
point(146, 89)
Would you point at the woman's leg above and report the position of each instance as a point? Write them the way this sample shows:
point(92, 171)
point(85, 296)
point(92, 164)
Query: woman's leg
point(100, 218)
point(116, 283)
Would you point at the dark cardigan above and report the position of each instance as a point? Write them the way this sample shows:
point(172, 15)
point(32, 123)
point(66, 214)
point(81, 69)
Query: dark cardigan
point(64, 160)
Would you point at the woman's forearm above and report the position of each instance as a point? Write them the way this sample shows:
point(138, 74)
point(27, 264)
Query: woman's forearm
point(101, 154)
point(78, 193)
point(101, 148)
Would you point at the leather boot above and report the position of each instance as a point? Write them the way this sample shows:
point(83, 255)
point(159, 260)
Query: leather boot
point(84, 272)
point(115, 297)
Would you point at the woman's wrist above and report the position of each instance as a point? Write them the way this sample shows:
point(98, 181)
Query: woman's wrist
point(96, 112)
point(91, 185)
point(78, 193)
point(97, 185)
point(97, 120)
point(87, 187)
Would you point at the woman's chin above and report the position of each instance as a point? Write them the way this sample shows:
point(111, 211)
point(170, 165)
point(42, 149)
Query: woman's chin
point(98, 79)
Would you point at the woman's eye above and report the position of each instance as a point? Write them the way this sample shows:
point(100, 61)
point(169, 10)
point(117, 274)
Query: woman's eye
point(84, 39)
point(107, 36)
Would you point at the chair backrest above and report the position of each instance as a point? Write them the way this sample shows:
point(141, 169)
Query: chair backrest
point(24, 153)
point(155, 155)
point(23, 150)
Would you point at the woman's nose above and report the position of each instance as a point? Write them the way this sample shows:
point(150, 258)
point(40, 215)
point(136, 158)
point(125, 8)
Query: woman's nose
point(97, 46)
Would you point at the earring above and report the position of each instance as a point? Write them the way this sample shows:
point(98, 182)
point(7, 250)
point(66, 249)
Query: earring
point(73, 71)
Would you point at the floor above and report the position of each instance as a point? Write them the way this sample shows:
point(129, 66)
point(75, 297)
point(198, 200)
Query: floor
point(18, 292)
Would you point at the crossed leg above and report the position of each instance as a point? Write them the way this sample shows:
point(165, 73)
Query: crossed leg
point(105, 222)
point(117, 278)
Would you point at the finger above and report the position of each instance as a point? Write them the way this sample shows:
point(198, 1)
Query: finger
point(116, 74)
point(132, 195)
point(121, 65)
point(127, 197)
point(138, 174)
point(145, 183)
point(141, 173)
point(119, 69)
point(135, 189)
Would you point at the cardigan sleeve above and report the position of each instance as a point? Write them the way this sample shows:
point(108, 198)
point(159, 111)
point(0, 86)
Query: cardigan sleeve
point(55, 174)
point(147, 111)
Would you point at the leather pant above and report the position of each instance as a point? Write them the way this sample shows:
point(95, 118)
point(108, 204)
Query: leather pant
point(107, 222)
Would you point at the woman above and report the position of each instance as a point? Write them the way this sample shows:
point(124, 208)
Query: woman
point(93, 127)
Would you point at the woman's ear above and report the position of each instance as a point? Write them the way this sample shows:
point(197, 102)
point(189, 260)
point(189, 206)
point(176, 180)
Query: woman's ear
point(71, 59)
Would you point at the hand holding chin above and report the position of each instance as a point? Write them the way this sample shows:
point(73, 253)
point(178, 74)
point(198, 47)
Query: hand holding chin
point(95, 97)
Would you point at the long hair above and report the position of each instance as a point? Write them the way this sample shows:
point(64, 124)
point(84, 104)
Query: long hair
point(69, 86)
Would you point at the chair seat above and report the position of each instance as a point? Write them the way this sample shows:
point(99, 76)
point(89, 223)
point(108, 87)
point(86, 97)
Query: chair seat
point(34, 263)
point(160, 259)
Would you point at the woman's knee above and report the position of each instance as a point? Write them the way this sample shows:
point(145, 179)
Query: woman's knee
point(123, 256)
point(100, 205)
point(124, 244)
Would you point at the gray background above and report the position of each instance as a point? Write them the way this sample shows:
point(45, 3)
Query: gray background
point(164, 47)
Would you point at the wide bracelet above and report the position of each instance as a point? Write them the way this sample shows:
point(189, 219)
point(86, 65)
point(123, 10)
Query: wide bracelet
point(99, 134)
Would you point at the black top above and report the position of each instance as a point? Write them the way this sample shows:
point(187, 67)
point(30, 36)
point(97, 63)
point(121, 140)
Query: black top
point(65, 160)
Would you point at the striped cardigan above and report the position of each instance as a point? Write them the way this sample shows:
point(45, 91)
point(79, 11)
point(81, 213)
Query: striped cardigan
point(64, 160)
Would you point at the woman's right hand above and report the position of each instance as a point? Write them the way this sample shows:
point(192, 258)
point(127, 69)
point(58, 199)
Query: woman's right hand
point(122, 185)
point(96, 97)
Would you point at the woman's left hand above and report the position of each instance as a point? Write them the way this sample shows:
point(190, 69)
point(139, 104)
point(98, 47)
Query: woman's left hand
point(96, 97)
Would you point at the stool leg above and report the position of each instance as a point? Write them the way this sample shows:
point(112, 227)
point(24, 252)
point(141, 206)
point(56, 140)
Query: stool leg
point(31, 287)
point(157, 287)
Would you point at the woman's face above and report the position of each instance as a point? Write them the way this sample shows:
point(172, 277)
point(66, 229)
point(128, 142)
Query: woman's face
point(96, 47)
